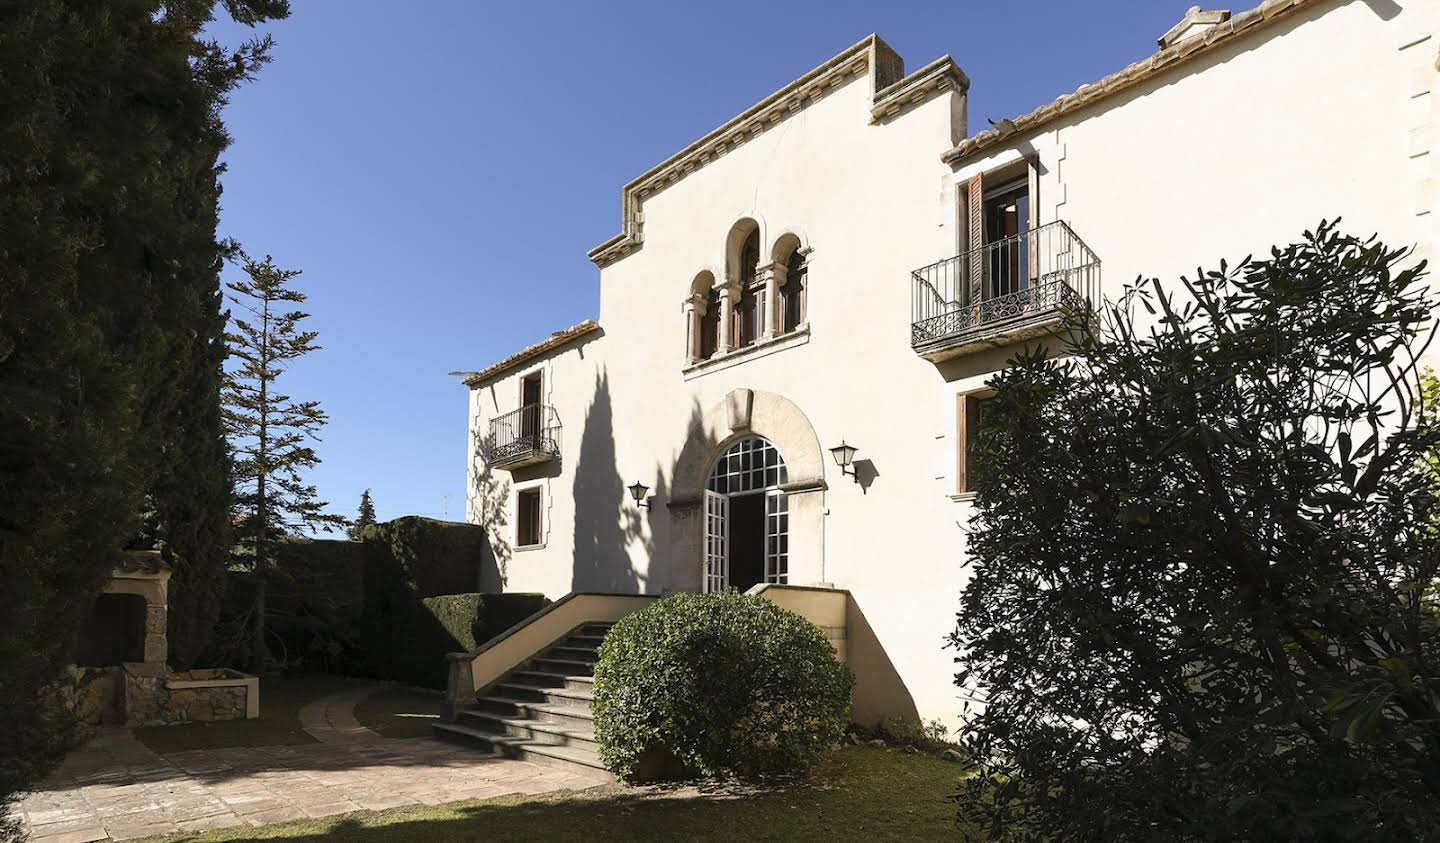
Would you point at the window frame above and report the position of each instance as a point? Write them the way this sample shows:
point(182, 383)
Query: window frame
point(969, 421)
point(538, 520)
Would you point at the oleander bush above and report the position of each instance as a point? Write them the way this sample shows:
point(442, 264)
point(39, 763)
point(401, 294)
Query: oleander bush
point(1204, 563)
point(717, 684)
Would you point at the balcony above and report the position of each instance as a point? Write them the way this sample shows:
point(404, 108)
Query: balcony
point(1006, 291)
point(527, 436)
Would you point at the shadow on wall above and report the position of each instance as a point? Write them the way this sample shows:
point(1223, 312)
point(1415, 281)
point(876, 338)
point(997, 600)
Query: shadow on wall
point(607, 522)
point(880, 693)
point(489, 507)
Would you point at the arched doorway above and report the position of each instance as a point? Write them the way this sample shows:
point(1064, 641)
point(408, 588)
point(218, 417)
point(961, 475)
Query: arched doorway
point(747, 521)
point(747, 414)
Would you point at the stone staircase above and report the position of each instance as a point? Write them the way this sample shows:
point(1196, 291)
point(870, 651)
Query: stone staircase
point(540, 711)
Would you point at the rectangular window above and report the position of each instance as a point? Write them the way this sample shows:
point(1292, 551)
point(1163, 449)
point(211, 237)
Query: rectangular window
point(970, 413)
point(529, 529)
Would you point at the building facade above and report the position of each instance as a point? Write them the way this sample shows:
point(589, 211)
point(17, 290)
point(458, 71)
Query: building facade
point(847, 263)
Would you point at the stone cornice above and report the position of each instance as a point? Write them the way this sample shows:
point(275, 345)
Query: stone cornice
point(867, 55)
point(939, 75)
point(1221, 34)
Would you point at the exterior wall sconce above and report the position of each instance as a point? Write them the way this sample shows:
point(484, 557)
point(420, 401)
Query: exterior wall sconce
point(637, 491)
point(845, 457)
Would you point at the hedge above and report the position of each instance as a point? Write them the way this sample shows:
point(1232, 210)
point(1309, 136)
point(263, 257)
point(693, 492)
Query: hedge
point(389, 606)
point(422, 557)
point(415, 651)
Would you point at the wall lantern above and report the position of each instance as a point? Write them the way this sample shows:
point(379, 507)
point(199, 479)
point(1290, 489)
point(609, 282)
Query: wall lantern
point(637, 491)
point(844, 457)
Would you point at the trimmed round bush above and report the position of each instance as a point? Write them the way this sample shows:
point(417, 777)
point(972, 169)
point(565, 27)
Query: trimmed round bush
point(717, 684)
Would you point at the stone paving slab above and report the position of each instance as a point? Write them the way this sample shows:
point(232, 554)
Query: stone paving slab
point(116, 788)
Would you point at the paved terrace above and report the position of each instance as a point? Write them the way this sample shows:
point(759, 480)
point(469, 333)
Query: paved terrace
point(117, 788)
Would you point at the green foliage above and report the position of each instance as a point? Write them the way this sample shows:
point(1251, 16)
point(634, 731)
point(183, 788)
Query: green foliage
point(931, 735)
point(109, 168)
point(269, 430)
point(364, 517)
point(413, 558)
point(422, 632)
point(724, 683)
point(418, 557)
point(314, 600)
point(1200, 553)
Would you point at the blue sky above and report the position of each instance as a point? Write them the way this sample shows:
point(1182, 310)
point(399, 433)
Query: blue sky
point(439, 170)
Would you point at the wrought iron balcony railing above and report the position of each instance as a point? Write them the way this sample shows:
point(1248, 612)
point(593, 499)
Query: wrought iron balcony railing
point(1003, 291)
point(523, 437)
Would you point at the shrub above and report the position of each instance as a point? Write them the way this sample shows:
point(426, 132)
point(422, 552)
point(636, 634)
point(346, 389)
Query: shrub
point(724, 683)
point(1202, 562)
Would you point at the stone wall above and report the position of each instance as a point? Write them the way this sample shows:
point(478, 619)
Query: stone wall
point(94, 695)
point(154, 698)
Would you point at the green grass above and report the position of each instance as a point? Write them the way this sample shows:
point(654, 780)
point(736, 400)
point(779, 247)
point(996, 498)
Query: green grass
point(861, 794)
point(400, 713)
point(278, 724)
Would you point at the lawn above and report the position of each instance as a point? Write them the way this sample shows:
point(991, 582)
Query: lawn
point(862, 793)
point(281, 699)
point(400, 712)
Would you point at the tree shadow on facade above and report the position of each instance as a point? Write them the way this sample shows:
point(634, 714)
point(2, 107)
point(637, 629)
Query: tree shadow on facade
point(607, 521)
point(489, 506)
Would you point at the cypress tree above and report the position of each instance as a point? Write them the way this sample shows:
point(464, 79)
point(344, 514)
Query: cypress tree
point(109, 152)
point(364, 517)
point(270, 431)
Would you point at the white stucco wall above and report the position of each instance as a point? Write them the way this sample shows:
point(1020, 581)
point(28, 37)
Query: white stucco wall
point(1319, 115)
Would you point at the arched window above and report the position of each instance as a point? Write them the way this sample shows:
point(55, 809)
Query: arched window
point(792, 294)
point(749, 321)
point(789, 253)
point(710, 325)
point(702, 334)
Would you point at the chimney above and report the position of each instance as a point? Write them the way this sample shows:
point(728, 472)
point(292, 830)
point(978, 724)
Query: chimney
point(1196, 22)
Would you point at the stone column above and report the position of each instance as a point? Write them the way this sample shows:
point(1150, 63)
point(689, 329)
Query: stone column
point(729, 297)
point(694, 304)
point(157, 646)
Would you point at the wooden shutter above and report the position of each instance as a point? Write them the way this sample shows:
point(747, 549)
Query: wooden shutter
point(967, 413)
point(976, 238)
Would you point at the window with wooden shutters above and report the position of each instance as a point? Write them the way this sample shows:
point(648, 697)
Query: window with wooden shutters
point(529, 528)
point(970, 417)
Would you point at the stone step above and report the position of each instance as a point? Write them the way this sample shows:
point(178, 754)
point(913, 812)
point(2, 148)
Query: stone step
point(564, 716)
point(540, 731)
point(569, 668)
point(553, 696)
point(552, 679)
point(509, 746)
point(592, 641)
point(578, 654)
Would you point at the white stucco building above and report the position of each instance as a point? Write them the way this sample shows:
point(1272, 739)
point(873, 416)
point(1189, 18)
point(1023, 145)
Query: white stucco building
point(849, 261)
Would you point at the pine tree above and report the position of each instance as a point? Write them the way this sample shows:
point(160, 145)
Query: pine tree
point(270, 431)
point(109, 189)
point(364, 517)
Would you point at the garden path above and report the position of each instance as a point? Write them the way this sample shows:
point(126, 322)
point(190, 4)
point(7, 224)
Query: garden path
point(117, 788)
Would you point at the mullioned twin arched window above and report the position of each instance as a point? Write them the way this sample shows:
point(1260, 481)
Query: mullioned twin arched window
point(756, 301)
